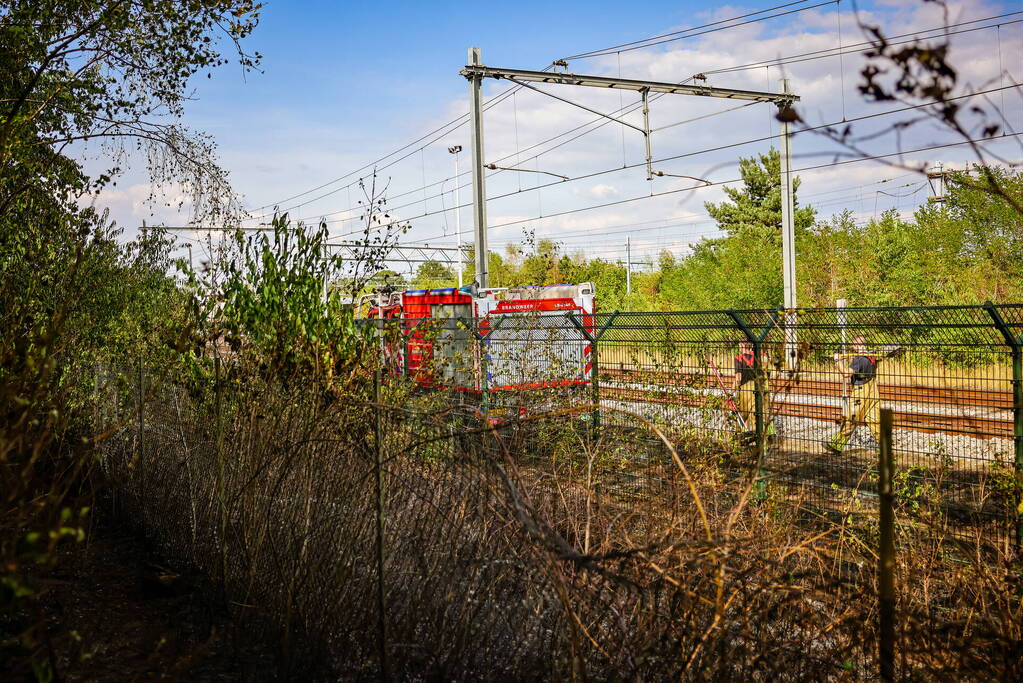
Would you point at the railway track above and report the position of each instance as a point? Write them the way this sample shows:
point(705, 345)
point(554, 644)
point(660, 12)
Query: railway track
point(978, 413)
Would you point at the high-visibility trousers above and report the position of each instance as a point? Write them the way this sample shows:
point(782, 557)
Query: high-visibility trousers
point(864, 407)
point(746, 402)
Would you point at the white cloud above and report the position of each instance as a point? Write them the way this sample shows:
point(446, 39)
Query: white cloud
point(598, 191)
point(131, 205)
point(299, 160)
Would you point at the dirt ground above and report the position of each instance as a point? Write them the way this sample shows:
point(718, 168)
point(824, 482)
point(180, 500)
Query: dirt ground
point(115, 612)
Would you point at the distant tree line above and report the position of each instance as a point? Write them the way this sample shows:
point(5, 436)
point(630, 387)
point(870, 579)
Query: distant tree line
point(965, 250)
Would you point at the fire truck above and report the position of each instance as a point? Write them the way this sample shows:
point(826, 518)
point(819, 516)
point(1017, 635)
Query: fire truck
point(487, 340)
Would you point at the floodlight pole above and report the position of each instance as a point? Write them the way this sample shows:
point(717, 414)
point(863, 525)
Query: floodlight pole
point(479, 189)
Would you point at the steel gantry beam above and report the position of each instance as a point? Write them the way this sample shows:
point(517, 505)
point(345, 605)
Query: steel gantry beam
point(473, 71)
point(355, 251)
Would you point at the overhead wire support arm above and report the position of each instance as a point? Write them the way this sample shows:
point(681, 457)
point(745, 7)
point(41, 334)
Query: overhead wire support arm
point(582, 106)
point(645, 94)
point(521, 76)
point(495, 167)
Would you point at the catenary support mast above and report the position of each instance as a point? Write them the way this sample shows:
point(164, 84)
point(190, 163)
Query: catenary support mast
point(788, 232)
point(479, 187)
point(475, 72)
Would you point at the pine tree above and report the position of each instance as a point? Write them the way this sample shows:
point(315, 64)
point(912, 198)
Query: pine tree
point(755, 208)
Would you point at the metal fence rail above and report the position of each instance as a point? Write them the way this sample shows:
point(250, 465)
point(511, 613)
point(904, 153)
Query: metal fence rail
point(578, 519)
point(951, 375)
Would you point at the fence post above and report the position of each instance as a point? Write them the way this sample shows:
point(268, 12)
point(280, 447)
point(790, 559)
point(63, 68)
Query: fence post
point(219, 451)
point(886, 552)
point(593, 338)
point(406, 337)
point(483, 340)
point(140, 439)
point(757, 341)
point(378, 451)
point(1016, 349)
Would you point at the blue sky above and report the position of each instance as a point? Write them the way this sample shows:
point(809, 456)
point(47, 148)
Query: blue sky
point(359, 65)
point(345, 84)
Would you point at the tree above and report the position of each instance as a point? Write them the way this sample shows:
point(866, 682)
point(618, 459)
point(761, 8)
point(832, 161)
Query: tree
point(275, 309)
point(433, 275)
point(114, 71)
point(755, 208)
point(974, 239)
point(386, 279)
point(71, 294)
point(742, 269)
point(503, 273)
point(538, 266)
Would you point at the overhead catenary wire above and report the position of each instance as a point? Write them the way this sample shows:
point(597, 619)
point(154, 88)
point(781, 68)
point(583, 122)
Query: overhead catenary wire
point(830, 52)
point(634, 227)
point(585, 238)
point(435, 134)
point(823, 54)
point(841, 162)
point(364, 167)
point(587, 235)
point(599, 121)
point(702, 151)
point(538, 187)
point(820, 54)
point(733, 22)
point(872, 157)
point(518, 151)
point(564, 142)
point(706, 220)
point(461, 120)
point(567, 245)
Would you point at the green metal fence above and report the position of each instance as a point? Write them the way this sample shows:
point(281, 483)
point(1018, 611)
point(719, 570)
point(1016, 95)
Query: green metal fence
point(951, 375)
point(572, 498)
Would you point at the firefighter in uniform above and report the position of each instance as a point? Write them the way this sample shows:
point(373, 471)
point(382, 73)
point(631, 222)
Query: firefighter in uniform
point(744, 386)
point(864, 406)
point(746, 389)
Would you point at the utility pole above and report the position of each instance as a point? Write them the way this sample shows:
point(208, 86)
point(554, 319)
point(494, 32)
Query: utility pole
point(628, 265)
point(458, 213)
point(645, 95)
point(479, 190)
point(788, 233)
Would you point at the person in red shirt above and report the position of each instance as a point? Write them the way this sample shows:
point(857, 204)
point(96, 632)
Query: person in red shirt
point(744, 386)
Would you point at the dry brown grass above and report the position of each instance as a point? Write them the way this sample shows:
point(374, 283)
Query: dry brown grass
point(542, 550)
